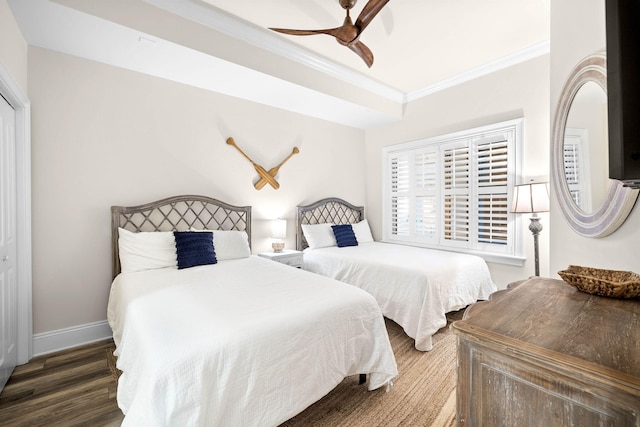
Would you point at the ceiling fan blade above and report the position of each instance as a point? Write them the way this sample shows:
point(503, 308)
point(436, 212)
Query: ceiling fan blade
point(303, 32)
point(363, 52)
point(369, 11)
point(344, 34)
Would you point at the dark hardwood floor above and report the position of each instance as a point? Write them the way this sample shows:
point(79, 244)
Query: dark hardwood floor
point(69, 388)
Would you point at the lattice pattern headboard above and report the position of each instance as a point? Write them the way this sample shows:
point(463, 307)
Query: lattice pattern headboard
point(332, 210)
point(177, 213)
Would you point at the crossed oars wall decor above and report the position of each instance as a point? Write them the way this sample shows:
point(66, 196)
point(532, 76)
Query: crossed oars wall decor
point(266, 177)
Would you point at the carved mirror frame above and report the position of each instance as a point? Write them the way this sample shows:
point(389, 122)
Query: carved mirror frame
point(619, 201)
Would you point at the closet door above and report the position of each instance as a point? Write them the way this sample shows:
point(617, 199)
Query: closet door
point(8, 253)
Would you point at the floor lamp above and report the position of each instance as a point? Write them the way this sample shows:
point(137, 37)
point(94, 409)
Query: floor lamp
point(532, 198)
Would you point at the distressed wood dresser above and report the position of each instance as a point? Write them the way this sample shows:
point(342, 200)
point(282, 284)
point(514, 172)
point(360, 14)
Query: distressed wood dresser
point(542, 353)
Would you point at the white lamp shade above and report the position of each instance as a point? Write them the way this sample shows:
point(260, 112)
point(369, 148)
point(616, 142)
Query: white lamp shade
point(279, 228)
point(530, 198)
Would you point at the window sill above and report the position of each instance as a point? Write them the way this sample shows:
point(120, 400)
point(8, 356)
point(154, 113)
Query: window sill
point(488, 257)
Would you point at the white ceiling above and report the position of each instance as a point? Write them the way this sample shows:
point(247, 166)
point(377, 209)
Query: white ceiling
point(420, 46)
point(416, 43)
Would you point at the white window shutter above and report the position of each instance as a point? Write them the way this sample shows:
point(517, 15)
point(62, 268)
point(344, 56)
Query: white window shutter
point(456, 162)
point(425, 197)
point(453, 191)
point(576, 167)
point(492, 185)
point(400, 186)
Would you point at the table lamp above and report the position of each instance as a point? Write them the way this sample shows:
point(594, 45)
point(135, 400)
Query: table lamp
point(278, 234)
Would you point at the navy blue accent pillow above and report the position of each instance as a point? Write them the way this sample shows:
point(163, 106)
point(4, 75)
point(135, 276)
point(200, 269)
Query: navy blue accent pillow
point(344, 235)
point(194, 248)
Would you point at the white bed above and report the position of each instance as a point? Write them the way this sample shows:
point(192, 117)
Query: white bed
point(415, 287)
point(245, 341)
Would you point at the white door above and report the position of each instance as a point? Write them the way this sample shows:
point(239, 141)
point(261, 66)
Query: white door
point(8, 279)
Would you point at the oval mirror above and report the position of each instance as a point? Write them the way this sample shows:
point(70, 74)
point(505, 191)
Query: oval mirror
point(592, 204)
point(585, 149)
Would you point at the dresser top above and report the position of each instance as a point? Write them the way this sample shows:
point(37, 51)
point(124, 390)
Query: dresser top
point(554, 320)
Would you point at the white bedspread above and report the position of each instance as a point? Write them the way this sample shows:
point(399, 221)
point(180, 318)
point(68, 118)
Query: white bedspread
point(415, 287)
point(246, 342)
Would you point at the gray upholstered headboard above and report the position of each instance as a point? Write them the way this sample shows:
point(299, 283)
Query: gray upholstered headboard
point(330, 210)
point(177, 213)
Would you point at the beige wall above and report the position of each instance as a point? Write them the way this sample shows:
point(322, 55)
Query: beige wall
point(519, 91)
point(105, 136)
point(578, 30)
point(13, 47)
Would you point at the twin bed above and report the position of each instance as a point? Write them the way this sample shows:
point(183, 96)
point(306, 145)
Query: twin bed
point(213, 335)
point(243, 341)
point(415, 287)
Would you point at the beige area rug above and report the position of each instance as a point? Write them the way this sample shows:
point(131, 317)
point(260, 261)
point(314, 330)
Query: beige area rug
point(423, 394)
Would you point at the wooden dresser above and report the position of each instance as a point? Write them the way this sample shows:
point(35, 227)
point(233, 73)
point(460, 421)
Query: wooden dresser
point(542, 353)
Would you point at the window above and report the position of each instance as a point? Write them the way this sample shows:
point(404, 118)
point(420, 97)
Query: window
point(454, 191)
point(576, 166)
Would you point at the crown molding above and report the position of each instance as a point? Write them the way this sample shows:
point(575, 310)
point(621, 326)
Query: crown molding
point(42, 21)
point(523, 55)
point(232, 26)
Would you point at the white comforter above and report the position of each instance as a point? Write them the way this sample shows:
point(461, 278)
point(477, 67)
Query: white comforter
point(415, 287)
point(247, 342)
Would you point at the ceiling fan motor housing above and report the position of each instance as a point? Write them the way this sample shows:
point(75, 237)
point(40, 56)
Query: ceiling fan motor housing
point(348, 4)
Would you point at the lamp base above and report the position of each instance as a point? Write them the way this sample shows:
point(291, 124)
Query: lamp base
point(277, 247)
point(535, 227)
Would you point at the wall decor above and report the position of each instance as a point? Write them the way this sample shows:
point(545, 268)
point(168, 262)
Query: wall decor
point(266, 177)
point(261, 171)
point(274, 171)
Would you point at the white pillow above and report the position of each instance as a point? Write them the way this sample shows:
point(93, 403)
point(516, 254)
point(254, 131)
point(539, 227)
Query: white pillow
point(146, 250)
point(319, 235)
point(230, 244)
point(362, 231)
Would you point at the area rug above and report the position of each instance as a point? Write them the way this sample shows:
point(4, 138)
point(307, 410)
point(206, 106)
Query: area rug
point(423, 394)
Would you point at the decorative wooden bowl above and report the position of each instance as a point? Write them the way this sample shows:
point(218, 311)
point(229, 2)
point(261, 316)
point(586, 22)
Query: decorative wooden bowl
point(607, 283)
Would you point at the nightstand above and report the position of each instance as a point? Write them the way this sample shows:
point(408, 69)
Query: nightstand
point(287, 256)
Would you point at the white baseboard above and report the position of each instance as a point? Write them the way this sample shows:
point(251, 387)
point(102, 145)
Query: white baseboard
point(74, 336)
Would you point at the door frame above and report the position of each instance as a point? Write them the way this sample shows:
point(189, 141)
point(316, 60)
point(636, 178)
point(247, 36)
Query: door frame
point(16, 97)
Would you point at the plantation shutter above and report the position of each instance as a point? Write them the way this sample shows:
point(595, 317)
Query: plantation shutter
point(456, 171)
point(492, 187)
point(426, 195)
point(572, 166)
point(400, 186)
point(453, 191)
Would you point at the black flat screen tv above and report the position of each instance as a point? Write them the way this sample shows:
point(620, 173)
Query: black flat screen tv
point(623, 89)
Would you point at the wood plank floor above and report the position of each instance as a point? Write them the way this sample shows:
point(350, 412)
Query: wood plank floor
point(69, 388)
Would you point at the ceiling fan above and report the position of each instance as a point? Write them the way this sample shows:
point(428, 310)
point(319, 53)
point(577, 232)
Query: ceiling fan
point(348, 34)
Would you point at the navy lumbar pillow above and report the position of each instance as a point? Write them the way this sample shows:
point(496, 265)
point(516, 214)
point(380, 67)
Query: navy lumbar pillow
point(194, 248)
point(344, 235)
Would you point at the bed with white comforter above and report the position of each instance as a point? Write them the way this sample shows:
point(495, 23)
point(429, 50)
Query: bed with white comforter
point(246, 342)
point(207, 334)
point(415, 287)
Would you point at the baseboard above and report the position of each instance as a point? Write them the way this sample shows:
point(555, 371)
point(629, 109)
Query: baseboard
point(74, 336)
